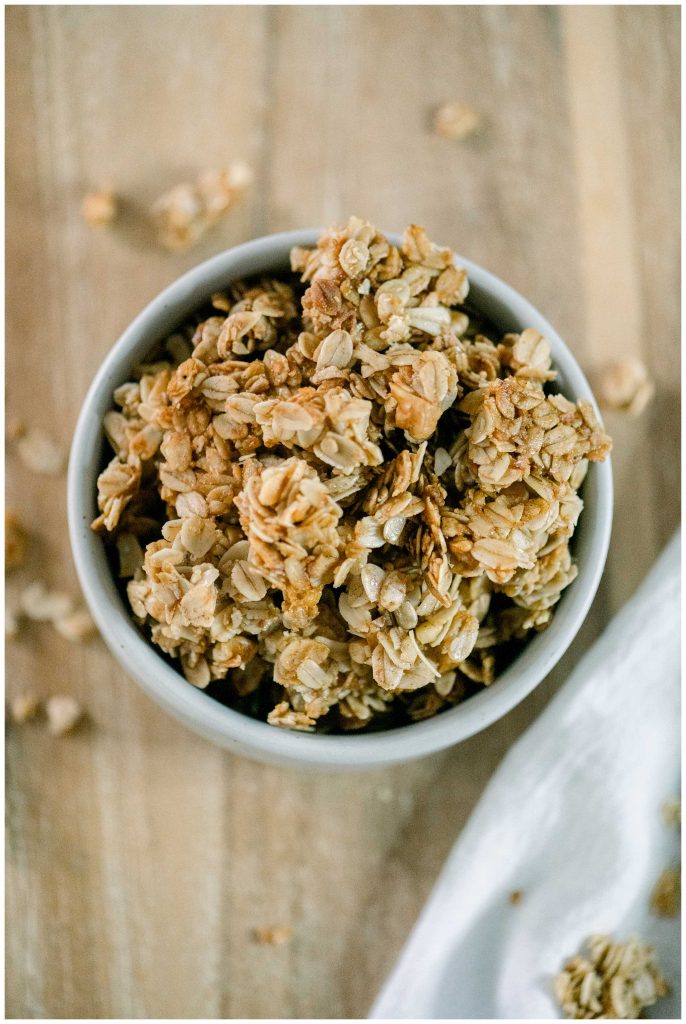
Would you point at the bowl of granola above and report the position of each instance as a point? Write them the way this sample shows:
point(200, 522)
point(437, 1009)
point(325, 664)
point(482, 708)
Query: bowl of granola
point(338, 498)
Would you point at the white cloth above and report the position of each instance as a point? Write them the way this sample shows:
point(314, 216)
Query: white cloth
point(572, 819)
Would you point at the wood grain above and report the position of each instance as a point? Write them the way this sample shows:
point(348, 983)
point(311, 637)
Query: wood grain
point(139, 857)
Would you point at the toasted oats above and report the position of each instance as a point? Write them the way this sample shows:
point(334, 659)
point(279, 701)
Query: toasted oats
point(343, 501)
point(24, 707)
point(16, 541)
point(625, 386)
point(671, 812)
point(43, 605)
point(273, 935)
point(618, 980)
point(186, 212)
point(40, 453)
point(665, 899)
point(76, 626)
point(14, 428)
point(456, 121)
point(99, 208)
point(11, 622)
point(64, 714)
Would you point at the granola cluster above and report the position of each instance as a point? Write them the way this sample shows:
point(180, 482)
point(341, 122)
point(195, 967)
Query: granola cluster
point(617, 981)
point(338, 502)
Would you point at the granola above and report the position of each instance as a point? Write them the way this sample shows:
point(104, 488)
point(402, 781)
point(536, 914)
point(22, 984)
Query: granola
point(40, 453)
point(456, 120)
point(665, 899)
point(64, 714)
point(99, 208)
point(617, 980)
point(339, 502)
point(187, 211)
point(16, 541)
point(625, 386)
point(24, 707)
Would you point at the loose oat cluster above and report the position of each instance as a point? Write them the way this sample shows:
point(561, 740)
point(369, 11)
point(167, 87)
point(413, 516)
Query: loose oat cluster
point(339, 502)
point(617, 981)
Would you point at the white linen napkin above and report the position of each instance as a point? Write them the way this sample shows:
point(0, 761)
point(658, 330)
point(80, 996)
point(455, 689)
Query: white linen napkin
point(572, 820)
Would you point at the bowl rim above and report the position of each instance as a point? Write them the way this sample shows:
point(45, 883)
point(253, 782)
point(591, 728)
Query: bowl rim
point(233, 729)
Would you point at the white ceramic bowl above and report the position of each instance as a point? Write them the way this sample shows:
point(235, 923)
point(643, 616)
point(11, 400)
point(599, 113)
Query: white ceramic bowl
point(231, 729)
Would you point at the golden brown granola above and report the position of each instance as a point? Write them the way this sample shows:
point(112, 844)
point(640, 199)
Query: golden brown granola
point(671, 812)
point(24, 707)
point(273, 935)
point(76, 626)
point(625, 386)
point(64, 713)
point(186, 212)
point(16, 541)
point(456, 120)
point(99, 208)
point(617, 980)
point(40, 453)
point(340, 503)
point(665, 899)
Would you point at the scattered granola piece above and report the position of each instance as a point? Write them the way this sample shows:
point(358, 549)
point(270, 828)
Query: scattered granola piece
point(186, 212)
point(63, 713)
point(273, 935)
point(14, 428)
point(24, 707)
point(76, 626)
point(516, 897)
point(99, 208)
point(456, 121)
point(40, 453)
point(43, 605)
point(16, 541)
point(340, 498)
point(665, 900)
point(11, 622)
point(671, 812)
point(625, 386)
point(619, 979)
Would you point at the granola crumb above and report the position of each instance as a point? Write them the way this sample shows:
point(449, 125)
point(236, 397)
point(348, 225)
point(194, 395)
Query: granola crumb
point(43, 605)
point(273, 935)
point(64, 713)
point(618, 979)
point(456, 121)
point(671, 812)
point(185, 212)
point(11, 622)
point(625, 386)
point(665, 900)
point(14, 428)
point(516, 897)
point(24, 707)
point(77, 626)
point(16, 541)
point(99, 208)
point(41, 453)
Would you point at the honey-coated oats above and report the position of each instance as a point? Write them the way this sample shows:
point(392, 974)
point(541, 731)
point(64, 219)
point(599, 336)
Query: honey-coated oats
point(341, 503)
point(617, 980)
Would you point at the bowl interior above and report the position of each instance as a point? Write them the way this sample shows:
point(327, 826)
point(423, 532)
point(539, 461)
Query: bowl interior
point(509, 312)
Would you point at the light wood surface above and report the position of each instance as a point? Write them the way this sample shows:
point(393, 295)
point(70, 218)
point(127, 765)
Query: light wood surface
point(139, 857)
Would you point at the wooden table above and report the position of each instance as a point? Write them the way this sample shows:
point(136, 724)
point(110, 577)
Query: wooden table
point(139, 856)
